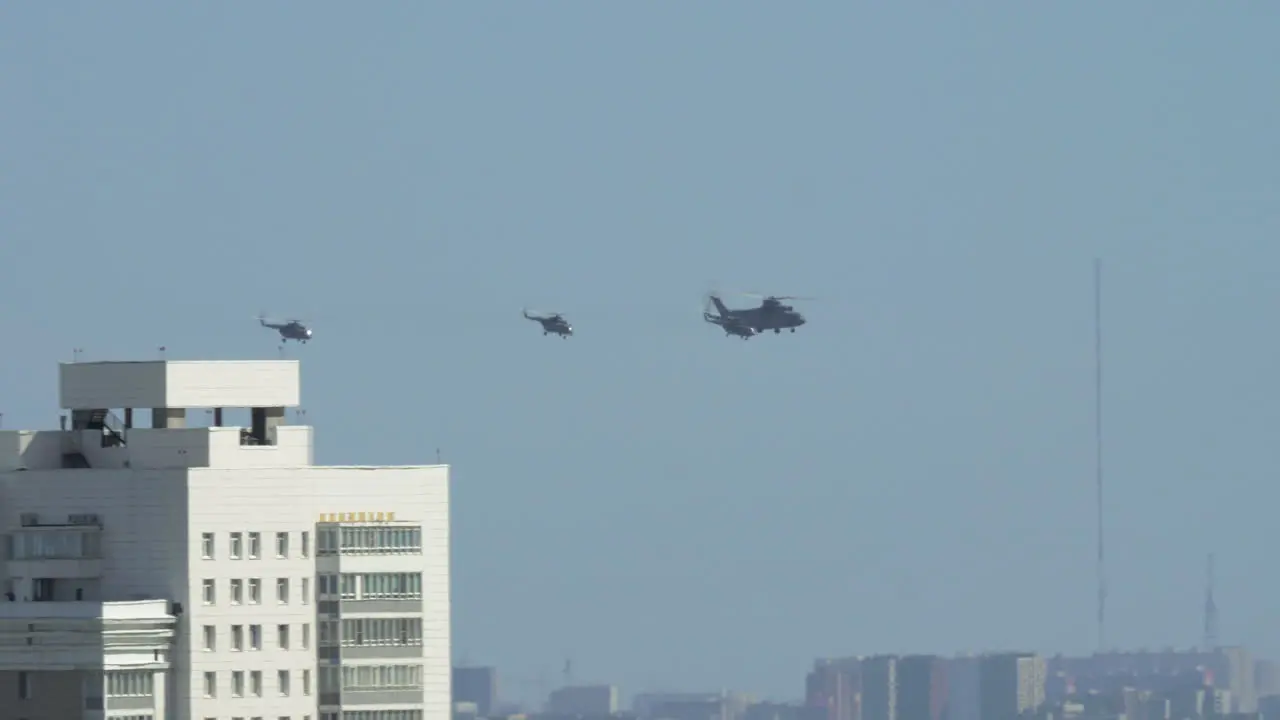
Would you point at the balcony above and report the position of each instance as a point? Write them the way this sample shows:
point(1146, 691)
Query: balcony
point(43, 636)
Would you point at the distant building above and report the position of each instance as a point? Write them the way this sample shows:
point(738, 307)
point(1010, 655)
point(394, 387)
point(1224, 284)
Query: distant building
point(922, 688)
point(783, 711)
point(1226, 668)
point(1010, 684)
point(880, 688)
point(478, 685)
point(835, 686)
point(583, 700)
point(691, 706)
point(1266, 679)
point(963, 690)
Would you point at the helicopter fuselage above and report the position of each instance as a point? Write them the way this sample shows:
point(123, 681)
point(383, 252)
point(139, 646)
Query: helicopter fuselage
point(730, 325)
point(769, 316)
point(557, 327)
point(291, 331)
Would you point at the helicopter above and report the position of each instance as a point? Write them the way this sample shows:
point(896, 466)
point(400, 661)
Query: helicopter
point(289, 330)
point(552, 323)
point(772, 314)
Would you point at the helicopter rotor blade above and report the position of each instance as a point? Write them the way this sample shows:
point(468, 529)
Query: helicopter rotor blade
point(764, 296)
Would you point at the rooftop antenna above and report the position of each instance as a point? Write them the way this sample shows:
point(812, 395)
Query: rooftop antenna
point(437, 456)
point(1210, 610)
point(76, 353)
point(568, 672)
point(1102, 577)
point(161, 349)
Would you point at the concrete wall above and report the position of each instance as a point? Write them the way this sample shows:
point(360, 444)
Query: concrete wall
point(54, 696)
point(180, 384)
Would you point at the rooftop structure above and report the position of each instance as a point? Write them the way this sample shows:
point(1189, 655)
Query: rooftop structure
point(103, 400)
point(158, 571)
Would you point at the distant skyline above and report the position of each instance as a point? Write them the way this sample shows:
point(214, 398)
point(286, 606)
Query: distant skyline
point(911, 471)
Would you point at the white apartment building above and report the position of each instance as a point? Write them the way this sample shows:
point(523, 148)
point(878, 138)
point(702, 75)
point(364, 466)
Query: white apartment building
point(155, 571)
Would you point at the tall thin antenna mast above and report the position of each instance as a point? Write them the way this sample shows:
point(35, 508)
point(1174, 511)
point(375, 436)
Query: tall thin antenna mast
point(1210, 641)
point(1102, 577)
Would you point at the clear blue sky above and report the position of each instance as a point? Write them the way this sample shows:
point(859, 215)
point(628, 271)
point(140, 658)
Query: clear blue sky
point(670, 507)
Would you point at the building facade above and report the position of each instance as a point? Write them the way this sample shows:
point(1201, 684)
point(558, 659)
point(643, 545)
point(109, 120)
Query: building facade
point(880, 688)
point(922, 688)
point(1010, 684)
point(168, 572)
point(835, 687)
point(584, 700)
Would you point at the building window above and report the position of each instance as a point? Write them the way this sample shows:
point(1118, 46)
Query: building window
point(55, 545)
point(237, 592)
point(255, 683)
point(347, 589)
point(129, 683)
point(306, 591)
point(380, 540)
point(210, 638)
point(282, 682)
point(206, 546)
point(382, 631)
point(24, 685)
point(306, 544)
point(327, 541)
point(305, 640)
point(255, 637)
point(282, 544)
point(356, 678)
point(237, 683)
point(211, 685)
point(282, 591)
point(237, 637)
point(306, 682)
point(255, 591)
point(328, 633)
point(282, 636)
point(382, 586)
point(255, 545)
point(237, 545)
point(209, 593)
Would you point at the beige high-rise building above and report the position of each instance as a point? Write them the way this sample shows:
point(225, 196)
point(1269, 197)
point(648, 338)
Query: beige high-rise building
point(158, 571)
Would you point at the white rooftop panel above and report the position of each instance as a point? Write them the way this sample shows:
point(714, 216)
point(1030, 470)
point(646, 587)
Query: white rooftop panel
point(179, 384)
